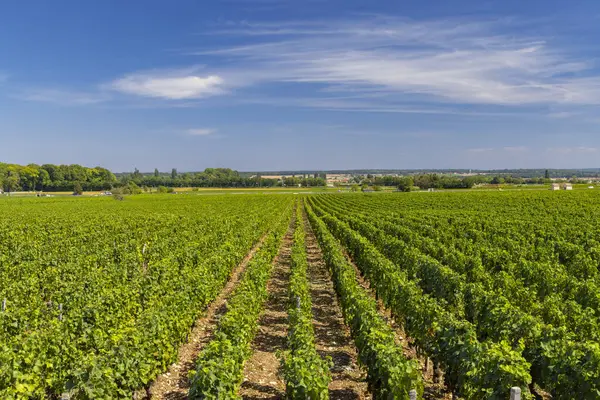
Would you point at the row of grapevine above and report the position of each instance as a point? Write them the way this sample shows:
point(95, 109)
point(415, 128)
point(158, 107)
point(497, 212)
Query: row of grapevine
point(563, 372)
point(556, 290)
point(390, 374)
point(561, 362)
point(565, 364)
point(307, 376)
point(556, 284)
point(101, 294)
point(220, 365)
point(473, 369)
point(504, 239)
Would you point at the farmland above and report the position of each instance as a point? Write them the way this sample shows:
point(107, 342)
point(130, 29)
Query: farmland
point(341, 296)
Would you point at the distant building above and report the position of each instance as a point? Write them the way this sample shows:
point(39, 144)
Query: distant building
point(555, 186)
point(567, 186)
point(333, 179)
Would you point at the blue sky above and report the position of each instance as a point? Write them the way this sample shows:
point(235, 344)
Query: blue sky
point(274, 84)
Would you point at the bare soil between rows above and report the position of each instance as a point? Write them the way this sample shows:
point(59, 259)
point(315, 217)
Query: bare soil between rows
point(261, 372)
point(332, 335)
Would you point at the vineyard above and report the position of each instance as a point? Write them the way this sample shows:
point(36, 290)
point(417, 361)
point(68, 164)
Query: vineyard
point(474, 295)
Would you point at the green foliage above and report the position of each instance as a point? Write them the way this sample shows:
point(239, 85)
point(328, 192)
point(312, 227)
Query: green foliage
point(77, 189)
point(307, 376)
point(438, 332)
point(390, 374)
point(51, 177)
point(220, 366)
point(527, 284)
point(132, 278)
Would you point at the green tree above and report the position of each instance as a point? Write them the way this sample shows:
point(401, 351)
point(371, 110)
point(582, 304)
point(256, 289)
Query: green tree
point(43, 180)
point(405, 183)
point(547, 174)
point(174, 173)
point(77, 189)
point(156, 173)
point(137, 175)
point(11, 183)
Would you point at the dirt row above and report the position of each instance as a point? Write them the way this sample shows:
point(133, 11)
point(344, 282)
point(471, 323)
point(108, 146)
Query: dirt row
point(261, 378)
point(332, 335)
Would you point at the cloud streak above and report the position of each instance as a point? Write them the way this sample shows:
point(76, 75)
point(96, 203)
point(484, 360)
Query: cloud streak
point(448, 61)
point(171, 85)
point(506, 149)
point(573, 150)
point(200, 131)
point(64, 97)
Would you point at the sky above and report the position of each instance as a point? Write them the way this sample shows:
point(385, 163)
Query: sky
point(286, 85)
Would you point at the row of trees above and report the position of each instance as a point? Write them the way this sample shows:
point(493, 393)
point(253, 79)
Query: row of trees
point(437, 181)
point(52, 177)
point(212, 177)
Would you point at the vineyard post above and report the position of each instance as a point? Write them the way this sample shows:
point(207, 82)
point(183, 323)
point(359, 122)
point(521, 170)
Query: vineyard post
point(515, 393)
point(412, 394)
point(3, 305)
point(437, 373)
point(60, 309)
point(65, 396)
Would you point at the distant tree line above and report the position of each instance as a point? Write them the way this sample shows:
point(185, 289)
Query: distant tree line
point(439, 181)
point(50, 177)
point(212, 177)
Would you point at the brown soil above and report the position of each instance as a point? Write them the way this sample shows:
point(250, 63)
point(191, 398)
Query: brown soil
point(332, 336)
point(174, 384)
point(261, 371)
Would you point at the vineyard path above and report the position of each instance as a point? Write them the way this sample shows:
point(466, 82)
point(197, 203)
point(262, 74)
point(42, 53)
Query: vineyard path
point(261, 371)
point(332, 336)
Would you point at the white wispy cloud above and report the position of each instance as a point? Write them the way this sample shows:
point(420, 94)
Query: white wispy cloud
point(515, 149)
point(466, 62)
point(200, 131)
point(63, 97)
point(505, 149)
point(373, 64)
point(172, 85)
point(573, 150)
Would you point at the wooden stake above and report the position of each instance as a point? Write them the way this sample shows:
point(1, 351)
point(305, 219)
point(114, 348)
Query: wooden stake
point(412, 394)
point(60, 309)
point(3, 305)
